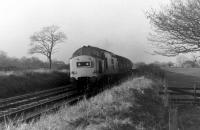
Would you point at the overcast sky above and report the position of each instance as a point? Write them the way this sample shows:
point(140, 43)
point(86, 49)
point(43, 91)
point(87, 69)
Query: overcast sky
point(119, 26)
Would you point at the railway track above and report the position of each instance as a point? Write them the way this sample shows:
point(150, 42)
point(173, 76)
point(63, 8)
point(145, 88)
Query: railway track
point(29, 106)
point(25, 104)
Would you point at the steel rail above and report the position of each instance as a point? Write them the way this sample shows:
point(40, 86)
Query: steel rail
point(18, 102)
point(39, 113)
point(31, 94)
point(35, 105)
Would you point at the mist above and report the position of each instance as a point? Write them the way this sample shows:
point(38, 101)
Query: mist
point(119, 26)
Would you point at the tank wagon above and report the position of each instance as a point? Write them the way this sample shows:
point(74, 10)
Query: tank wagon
point(94, 63)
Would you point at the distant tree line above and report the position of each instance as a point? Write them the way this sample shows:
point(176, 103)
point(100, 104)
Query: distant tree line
point(185, 62)
point(156, 63)
point(9, 63)
point(181, 61)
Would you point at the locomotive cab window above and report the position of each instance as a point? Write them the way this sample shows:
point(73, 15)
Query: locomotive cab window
point(83, 64)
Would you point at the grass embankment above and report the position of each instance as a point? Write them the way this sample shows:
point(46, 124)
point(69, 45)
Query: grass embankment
point(17, 83)
point(131, 105)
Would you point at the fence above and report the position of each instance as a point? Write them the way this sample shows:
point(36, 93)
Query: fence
point(176, 96)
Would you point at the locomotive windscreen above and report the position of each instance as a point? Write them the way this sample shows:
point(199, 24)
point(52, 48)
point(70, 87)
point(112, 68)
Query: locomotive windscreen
point(83, 64)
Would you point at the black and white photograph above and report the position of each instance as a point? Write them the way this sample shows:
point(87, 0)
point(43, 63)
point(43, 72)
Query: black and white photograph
point(100, 65)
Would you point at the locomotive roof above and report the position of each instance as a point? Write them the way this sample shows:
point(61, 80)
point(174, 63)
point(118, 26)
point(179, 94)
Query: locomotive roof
point(92, 51)
point(96, 52)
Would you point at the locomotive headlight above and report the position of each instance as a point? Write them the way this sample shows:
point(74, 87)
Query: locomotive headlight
point(73, 72)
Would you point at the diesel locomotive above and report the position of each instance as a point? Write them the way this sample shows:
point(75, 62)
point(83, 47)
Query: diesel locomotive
point(94, 63)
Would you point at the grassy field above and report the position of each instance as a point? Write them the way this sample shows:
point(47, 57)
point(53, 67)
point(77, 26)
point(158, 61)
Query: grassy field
point(182, 77)
point(195, 72)
point(14, 83)
point(131, 105)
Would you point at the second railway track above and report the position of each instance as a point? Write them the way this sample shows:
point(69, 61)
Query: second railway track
point(10, 107)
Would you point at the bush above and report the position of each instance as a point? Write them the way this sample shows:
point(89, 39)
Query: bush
point(151, 70)
point(19, 83)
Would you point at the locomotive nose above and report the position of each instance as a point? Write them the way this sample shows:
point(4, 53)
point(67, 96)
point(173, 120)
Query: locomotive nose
point(82, 66)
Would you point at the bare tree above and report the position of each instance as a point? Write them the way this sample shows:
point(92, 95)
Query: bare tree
point(44, 41)
point(176, 27)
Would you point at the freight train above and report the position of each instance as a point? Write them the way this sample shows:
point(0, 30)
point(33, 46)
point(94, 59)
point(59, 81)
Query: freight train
point(93, 63)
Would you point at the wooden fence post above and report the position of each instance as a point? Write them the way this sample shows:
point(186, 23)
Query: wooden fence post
point(173, 118)
point(166, 96)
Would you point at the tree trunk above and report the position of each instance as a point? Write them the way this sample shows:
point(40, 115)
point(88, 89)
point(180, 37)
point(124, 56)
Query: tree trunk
point(50, 62)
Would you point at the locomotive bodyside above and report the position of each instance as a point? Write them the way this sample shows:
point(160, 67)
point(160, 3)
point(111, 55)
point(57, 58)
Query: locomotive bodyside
point(124, 64)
